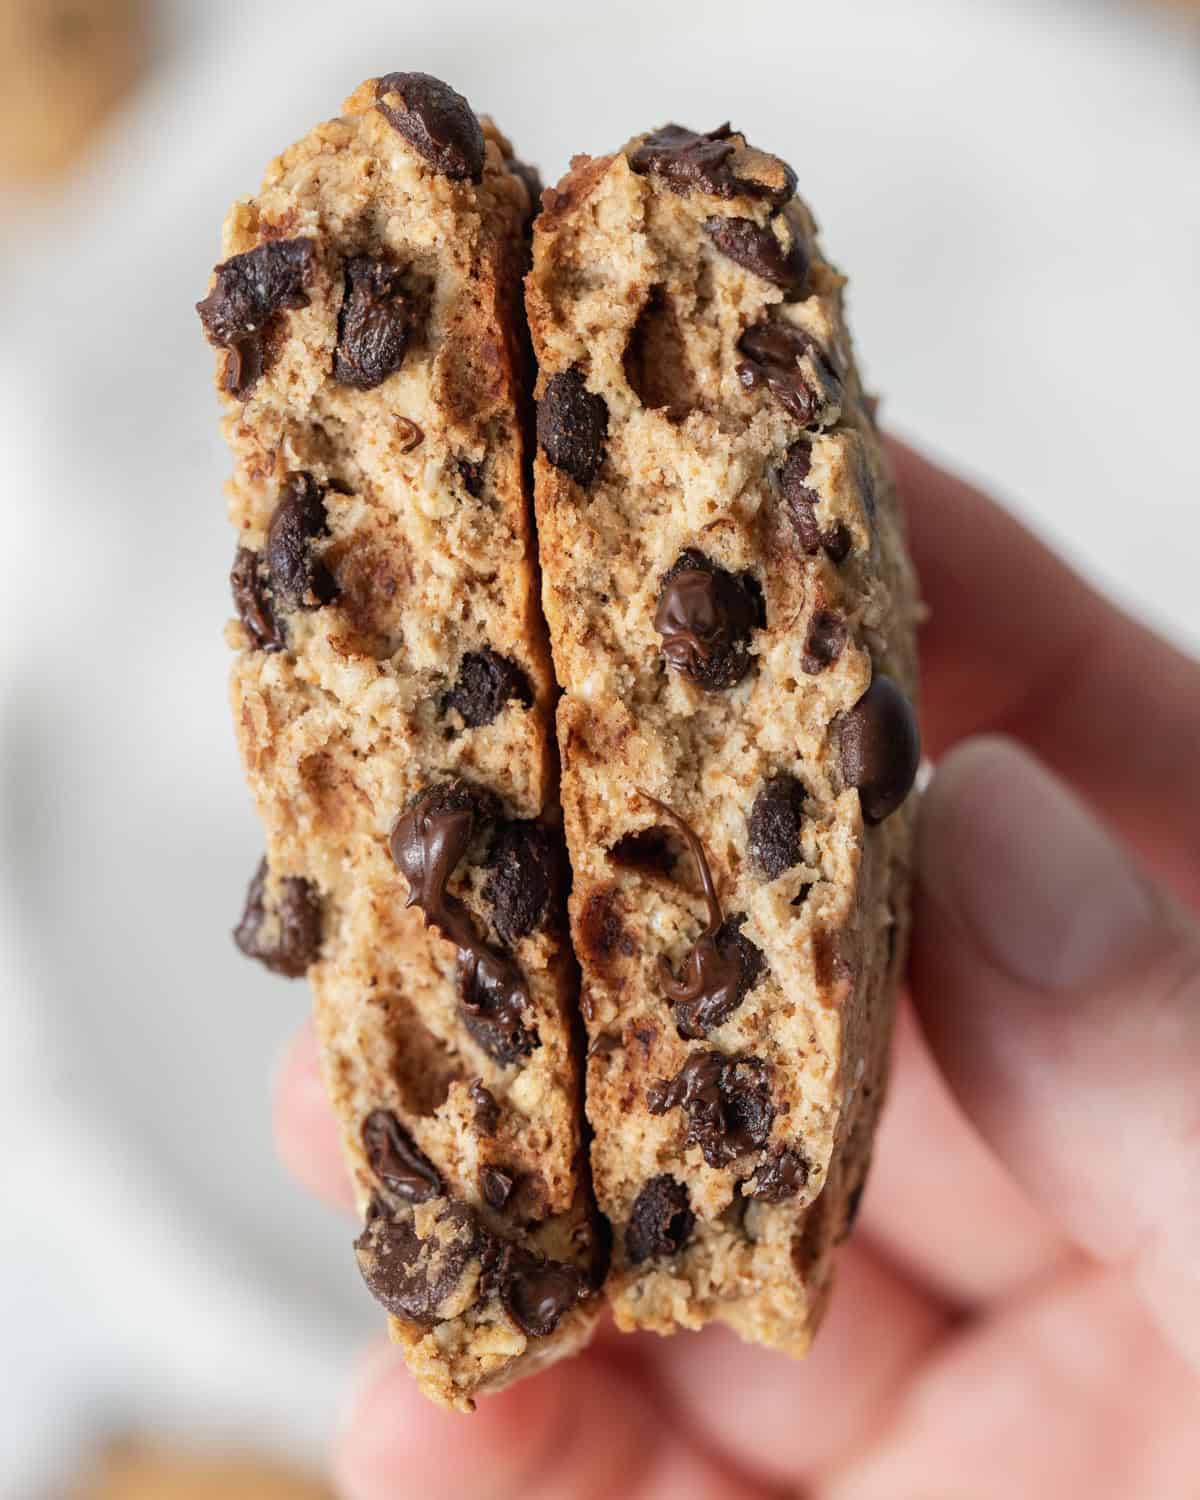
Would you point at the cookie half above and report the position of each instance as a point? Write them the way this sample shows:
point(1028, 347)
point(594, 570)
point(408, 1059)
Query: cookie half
point(732, 617)
point(393, 699)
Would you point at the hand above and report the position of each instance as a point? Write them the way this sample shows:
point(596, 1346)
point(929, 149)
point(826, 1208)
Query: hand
point(1019, 1312)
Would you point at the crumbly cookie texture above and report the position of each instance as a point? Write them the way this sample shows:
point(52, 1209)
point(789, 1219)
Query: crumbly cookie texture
point(393, 696)
point(732, 614)
point(63, 68)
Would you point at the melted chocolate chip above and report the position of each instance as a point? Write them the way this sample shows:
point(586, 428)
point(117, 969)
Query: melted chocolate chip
point(427, 841)
point(373, 324)
point(299, 578)
point(756, 248)
point(827, 635)
point(660, 1222)
point(721, 967)
point(240, 312)
point(487, 1111)
point(424, 1280)
point(287, 937)
point(436, 120)
point(252, 600)
point(775, 824)
point(496, 1185)
point(687, 160)
point(494, 999)
point(801, 502)
point(536, 1292)
point(782, 1176)
point(880, 748)
point(486, 682)
point(706, 616)
point(727, 1102)
point(526, 878)
point(777, 354)
point(572, 426)
point(396, 1160)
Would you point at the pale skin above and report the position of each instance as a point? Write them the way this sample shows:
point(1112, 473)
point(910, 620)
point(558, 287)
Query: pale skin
point(1019, 1310)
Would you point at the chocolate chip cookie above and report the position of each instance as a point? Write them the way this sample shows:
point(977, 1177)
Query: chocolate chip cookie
point(732, 613)
point(393, 696)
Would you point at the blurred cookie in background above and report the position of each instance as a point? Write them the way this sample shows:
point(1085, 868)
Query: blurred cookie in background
point(130, 1471)
point(64, 64)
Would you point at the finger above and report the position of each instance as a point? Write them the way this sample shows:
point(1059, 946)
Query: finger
point(1068, 1392)
point(306, 1133)
point(939, 1203)
point(583, 1431)
point(783, 1420)
point(1017, 643)
point(1062, 996)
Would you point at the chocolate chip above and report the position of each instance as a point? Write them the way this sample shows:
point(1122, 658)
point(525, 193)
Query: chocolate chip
point(286, 937)
point(486, 682)
point(660, 1222)
point(727, 1102)
point(706, 616)
point(373, 324)
point(497, 1186)
point(795, 368)
point(687, 160)
point(396, 1160)
point(240, 312)
point(536, 1292)
point(801, 502)
point(427, 841)
point(572, 426)
point(739, 967)
point(827, 634)
point(756, 248)
point(775, 824)
point(526, 878)
point(782, 1176)
point(471, 475)
point(425, 1280)
point(300, 579)
point(252, 600)
point(436, 119)
point(880, 748)
point(493, 1000)
point(604, 1045)
point(487, 1111)
point(430, 837)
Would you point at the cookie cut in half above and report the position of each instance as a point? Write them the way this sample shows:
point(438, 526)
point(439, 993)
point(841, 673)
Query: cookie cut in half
point(393, 699)
point(732, 616)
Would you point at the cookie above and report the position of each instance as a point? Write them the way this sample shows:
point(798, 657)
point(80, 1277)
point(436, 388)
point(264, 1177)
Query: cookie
point(64, 65)
point(732, 616)
point(393, 698)
point(136, 1471)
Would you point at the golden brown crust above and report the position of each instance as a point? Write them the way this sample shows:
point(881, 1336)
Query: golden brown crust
point(657, 445)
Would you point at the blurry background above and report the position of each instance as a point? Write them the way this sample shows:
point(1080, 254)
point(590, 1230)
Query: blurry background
point(1015, 190)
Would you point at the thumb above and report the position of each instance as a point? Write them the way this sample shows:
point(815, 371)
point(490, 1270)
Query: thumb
point(1061, 994)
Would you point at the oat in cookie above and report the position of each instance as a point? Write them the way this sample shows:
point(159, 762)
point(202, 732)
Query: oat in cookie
point(731, 611)
point(393, 695)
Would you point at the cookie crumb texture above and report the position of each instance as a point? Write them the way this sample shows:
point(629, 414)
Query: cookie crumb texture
point(732, 616)
point(393, 697)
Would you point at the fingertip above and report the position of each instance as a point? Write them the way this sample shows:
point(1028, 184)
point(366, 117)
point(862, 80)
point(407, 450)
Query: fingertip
point(394, 1441)
point(306, 1133)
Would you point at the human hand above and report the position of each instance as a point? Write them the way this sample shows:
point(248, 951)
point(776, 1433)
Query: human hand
point(1019, 1311)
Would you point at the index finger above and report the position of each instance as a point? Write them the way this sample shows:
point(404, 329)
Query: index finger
point(1018, 644)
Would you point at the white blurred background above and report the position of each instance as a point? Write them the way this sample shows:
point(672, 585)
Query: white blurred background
point(1014, 189)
